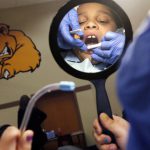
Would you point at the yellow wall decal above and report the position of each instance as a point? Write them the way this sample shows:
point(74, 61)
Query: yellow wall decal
point(17, 53)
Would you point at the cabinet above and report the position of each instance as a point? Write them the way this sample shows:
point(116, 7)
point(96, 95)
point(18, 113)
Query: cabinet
point(63, 117)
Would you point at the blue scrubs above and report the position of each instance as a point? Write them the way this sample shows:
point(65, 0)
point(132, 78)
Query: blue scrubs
point(133, 83)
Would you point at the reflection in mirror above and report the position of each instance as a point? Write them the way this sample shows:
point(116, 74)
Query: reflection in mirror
point(99, 34)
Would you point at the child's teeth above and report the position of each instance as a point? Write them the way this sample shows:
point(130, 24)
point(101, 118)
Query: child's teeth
point(91, 36)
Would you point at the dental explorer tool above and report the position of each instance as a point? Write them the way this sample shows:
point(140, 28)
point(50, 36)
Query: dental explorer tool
point(75, 31)
point(94, 46)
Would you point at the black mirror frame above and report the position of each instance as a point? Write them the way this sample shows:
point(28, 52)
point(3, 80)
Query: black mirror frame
point(56, 51)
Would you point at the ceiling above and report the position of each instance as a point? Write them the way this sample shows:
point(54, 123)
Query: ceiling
point(16, 3)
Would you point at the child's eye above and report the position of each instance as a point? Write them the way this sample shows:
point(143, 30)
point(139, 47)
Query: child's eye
point(81, 22)
point(82, 19)
point(103, 21)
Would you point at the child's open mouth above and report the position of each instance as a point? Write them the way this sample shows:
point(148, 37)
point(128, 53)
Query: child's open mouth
point(91, 39)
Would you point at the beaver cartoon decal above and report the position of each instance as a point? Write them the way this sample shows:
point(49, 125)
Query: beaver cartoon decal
point(17, 53)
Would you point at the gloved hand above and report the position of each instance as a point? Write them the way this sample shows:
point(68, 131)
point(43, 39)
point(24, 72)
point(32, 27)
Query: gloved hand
point(65, 39)
point(111, 48)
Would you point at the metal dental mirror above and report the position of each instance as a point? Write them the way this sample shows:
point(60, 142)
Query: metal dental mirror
point(99, 32)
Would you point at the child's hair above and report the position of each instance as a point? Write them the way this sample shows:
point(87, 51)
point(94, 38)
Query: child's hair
point(116, 18)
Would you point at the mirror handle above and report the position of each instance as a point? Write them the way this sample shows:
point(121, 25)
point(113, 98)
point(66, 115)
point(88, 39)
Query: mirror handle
point(103, 104)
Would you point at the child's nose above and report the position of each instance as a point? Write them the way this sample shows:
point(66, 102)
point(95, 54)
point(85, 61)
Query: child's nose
point(91, 25)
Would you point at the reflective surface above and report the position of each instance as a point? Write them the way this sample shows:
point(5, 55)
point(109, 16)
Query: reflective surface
point(100, 30)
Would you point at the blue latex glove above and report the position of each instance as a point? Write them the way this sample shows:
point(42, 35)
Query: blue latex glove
point(111, 48)
point(65, 39)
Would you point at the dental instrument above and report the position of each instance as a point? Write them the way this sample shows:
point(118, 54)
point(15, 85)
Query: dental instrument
point(119, 30)
point(94, 46)
point(75, 31)
point(63, 86)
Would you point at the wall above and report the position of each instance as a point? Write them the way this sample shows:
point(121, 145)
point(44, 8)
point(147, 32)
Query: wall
point(35, 22)
point(136, 10)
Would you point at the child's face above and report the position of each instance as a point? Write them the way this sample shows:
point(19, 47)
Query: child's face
point(95, 20)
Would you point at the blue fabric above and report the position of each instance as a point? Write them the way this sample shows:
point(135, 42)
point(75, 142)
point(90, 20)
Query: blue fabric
point(74, 61)
point(133, 83)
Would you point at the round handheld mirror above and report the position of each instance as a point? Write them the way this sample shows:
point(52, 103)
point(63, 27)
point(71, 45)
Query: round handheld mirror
point(88, 39)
